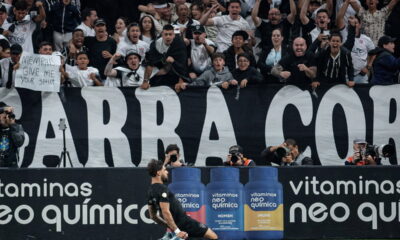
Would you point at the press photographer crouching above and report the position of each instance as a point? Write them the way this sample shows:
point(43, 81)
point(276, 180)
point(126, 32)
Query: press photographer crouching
point(11, 137)
point(286, 154)
point(172, 156)
point(366, 154)
point(236, 158)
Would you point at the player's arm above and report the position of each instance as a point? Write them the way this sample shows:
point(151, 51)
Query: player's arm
point(156, 218)
point(169, 220)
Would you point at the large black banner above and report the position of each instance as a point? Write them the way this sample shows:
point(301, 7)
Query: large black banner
point(110, 203)
point(124, 127)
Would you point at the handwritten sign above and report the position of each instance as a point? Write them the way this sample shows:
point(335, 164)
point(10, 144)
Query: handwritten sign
point(39, 72)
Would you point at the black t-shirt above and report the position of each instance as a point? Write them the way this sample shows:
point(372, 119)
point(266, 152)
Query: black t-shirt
point(306, 29)
point(95, 48)
point(290, 62)
point(266, 32)
point(160, 193)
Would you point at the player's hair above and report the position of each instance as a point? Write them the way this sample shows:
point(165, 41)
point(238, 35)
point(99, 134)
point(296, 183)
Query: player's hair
point(154, 166)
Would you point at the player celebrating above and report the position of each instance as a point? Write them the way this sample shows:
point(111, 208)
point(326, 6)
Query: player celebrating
point(172, 214)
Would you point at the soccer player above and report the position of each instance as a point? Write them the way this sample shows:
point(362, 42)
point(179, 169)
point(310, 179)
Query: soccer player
point(172, 214)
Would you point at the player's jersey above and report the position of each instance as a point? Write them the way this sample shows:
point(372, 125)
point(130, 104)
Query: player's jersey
point(160, 193)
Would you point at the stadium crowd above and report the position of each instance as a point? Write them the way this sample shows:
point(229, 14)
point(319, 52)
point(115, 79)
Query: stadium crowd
point(207, 42)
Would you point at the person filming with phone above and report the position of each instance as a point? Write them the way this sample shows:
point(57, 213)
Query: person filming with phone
point(11, 137)
point(235, 158)
point(172, 156)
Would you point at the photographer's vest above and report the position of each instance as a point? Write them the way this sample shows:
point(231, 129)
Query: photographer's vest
point(246, 162)
point(359, 163)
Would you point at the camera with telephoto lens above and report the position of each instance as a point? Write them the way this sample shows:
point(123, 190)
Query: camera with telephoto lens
point(384, 150)
point(173, 158)
point(235, 157)
point(282, 152)
point(10, 115)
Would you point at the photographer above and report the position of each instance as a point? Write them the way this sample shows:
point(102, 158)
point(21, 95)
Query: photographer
point(236, 158)
point(11, 137)
point(172, 156)
point(286, 154)
point(361, 155)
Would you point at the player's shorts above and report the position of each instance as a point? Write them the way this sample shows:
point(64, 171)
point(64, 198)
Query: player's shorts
point(193, 228)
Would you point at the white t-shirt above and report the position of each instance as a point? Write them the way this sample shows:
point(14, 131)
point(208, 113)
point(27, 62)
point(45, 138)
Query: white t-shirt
point(226, 27)
point(147, 39)
point(359, 53)
point(140, 47)
point(87, 31)
point(6, 25)
point(316, 31)
point(199, 56)
point(80, 78)
point(23, 35)
point(127, 78)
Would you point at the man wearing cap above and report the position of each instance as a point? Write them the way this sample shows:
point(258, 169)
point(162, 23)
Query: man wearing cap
point(200, 51)
point(101, 47)
point(235, 158)
point(25, 26)
point(11, 137)
point(226, 24)
point(359, 157)
point(131, 74)
point(9, 65)
point(386, 66)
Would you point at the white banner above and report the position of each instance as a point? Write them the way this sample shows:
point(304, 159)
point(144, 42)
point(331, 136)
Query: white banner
point(124, 127)
point(39, 72)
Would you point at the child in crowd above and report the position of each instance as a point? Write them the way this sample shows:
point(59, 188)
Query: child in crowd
point(219, 75)
point(81, 75)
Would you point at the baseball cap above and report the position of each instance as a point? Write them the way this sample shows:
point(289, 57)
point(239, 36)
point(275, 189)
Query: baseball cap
point(198, 29)
point(385, 40)
point(16, 49)
point(359, 141)
point(235, 149)
point(99, 21)
point(132, 52)
point(242, 33)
